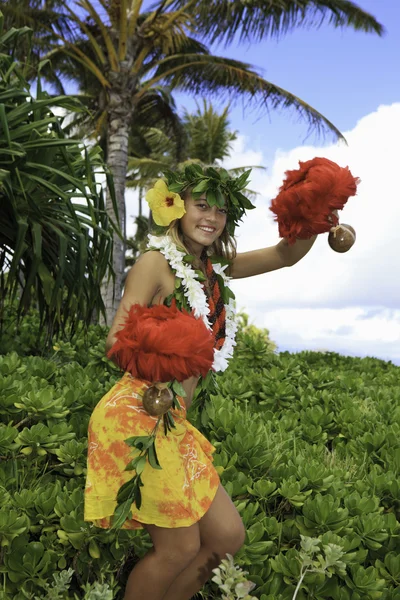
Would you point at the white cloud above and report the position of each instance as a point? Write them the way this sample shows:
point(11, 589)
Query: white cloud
point(242, 156)
point(345, 330)
point(326, 299)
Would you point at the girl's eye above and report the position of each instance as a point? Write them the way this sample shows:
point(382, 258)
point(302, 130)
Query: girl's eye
point(205, 206)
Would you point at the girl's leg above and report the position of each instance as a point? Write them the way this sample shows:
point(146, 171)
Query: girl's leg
point(221, 532)
point(173, 551)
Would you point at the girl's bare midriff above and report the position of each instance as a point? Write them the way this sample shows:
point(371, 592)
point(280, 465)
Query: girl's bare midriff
point(167, 288)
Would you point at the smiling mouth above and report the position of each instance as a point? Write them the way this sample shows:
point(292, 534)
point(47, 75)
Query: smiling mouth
point(207, 229)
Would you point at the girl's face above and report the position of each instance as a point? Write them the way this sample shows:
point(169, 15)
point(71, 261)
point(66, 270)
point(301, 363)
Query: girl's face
point(202, 224)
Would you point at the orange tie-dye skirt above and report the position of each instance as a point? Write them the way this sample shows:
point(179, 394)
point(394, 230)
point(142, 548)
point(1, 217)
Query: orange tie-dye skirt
point(178, 495)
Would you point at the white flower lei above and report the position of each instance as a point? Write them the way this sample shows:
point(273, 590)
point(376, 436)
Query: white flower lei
point(197, 298)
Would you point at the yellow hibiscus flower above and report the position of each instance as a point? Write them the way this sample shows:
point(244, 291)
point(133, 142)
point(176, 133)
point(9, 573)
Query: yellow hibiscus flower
point(165, 205)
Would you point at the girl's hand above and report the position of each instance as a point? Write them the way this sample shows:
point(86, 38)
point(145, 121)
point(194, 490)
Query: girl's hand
point(334, 212)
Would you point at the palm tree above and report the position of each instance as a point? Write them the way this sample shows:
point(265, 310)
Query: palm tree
point(209, 138)
point(204, 137)
point(132, 51)
point(55, 235)
point(46, 19)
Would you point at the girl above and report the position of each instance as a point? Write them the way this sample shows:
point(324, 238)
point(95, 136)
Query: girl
point(192, 521)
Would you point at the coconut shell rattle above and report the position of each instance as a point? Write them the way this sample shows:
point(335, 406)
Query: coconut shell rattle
point(342, 237)
point(157, 400)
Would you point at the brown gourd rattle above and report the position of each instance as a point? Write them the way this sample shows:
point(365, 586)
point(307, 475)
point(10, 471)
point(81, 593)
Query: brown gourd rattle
point(157, 400)
point(342, 237)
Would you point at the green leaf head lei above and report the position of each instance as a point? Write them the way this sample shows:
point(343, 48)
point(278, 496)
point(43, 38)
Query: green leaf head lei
point(217, 186)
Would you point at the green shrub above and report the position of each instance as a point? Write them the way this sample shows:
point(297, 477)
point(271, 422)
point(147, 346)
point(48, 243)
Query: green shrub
point(308, 447)
point(56, 237)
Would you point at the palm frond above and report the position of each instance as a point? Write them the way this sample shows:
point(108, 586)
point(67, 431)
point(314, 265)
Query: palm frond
point(226, 78)
point(169, 39)
point(253, 20)
point(208, 133)
point(44, 21)
point(98, 18)
point(135, 163)
point(142, 172)
point(66, 66)
point(55, 234)
point(157, 109)
point(236, 171)
point(186, 45)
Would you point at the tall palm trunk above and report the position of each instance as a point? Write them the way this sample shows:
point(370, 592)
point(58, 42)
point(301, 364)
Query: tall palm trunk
point(120, 110)
point(140, 201)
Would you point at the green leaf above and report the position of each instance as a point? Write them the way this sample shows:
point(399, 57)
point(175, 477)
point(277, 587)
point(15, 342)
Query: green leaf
point(175, 187)
point(211, 197)
point(131, 466)
point(121, 514)
point(243, 179)
point(245, 201)
point(219, 198)
point(234, 199)
point(126, 491)
point(201, 186)
point(153, 458)
point(197, 169)
point(176, 404)
point(168, 300)
point(137, 441)
point(189, 258)
point(200, 276)
point(170, 420)
point(141, 465)
point(191, 172)
point(223, 173)
point(138, 495)
point(213, 173)
point(178, 388)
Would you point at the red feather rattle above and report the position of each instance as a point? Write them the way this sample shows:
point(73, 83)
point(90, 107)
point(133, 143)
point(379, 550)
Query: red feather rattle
point(159, 344)
point(306, 201)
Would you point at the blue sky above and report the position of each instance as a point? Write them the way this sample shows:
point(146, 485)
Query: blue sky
point(344, 74)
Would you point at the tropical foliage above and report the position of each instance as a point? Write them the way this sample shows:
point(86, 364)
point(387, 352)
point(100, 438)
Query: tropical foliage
point(121, 52)
point(307, 447)
point(55, 235)
point(206, 137)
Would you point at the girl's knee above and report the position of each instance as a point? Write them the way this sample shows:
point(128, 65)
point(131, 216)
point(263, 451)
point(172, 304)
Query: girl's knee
point(179, 555)
point(175, 546)
point(232, 540)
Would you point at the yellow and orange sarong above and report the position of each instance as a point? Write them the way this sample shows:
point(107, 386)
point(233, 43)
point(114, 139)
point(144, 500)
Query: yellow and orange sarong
point(178, 495)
